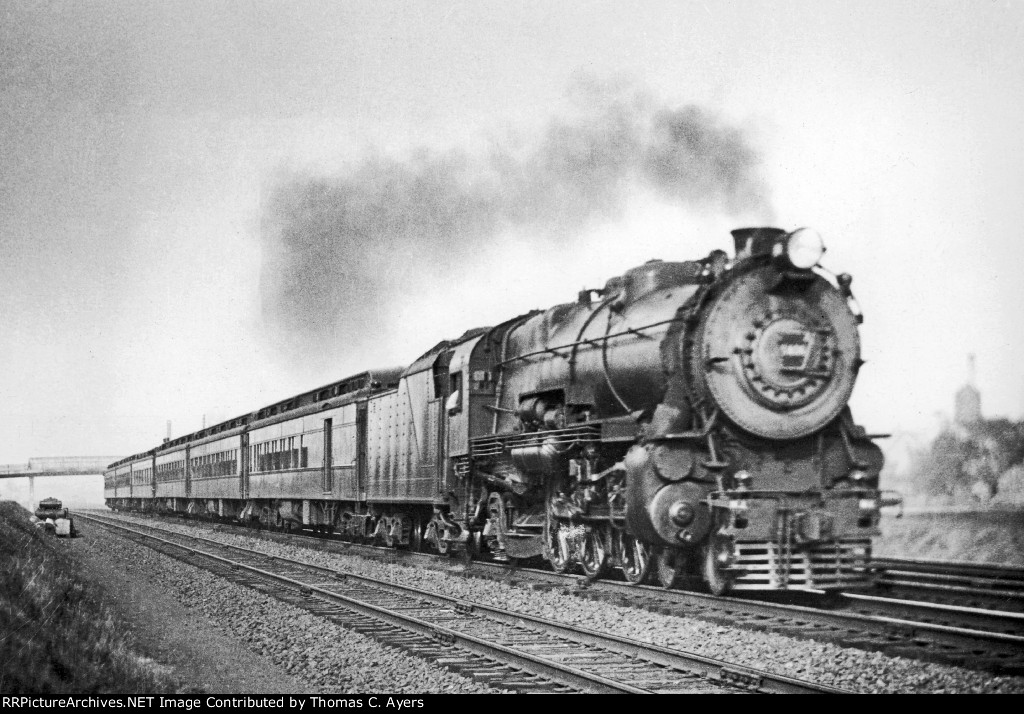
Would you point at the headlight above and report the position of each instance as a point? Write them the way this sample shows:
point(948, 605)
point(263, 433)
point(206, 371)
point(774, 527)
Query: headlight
point(867, 504)
point(803, 248)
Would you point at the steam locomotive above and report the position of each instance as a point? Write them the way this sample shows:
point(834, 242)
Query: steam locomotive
point(688, 420)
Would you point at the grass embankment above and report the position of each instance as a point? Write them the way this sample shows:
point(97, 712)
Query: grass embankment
point(983, 536)
point(57, 636)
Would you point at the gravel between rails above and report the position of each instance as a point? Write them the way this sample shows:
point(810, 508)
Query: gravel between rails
point(333, 659)
point(822, 662)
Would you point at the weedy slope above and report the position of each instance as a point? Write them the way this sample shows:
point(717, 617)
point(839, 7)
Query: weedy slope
point(57, 635)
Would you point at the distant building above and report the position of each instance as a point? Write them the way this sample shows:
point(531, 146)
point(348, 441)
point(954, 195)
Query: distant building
point(967, 410)
point(971, 459)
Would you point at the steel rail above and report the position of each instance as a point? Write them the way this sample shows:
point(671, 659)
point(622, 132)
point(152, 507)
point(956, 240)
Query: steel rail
point(951, 566)
point(911, 634)
point(716, 671)
point(781, 609)
point(996, 594)
point(971, 582)
point(535, 665)
point(804, 612)
point(1005, 615)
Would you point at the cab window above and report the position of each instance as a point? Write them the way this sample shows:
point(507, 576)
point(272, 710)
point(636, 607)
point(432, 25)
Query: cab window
point(454, 404)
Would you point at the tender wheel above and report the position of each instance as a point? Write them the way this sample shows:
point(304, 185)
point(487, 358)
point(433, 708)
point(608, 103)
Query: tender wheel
point(380, 532)
point(717, 559)
point(634, 558)
point(668, 565)
point(594, 558)
point(434, 540)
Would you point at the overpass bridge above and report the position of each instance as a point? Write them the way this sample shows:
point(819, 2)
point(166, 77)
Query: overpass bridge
point(55, 466)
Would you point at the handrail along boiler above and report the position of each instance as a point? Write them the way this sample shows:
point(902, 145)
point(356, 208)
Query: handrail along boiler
point(687, 420)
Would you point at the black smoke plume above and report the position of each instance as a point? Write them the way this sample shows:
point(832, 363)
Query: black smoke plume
point(340, 249)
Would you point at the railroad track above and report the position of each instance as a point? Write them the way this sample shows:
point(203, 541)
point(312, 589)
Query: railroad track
point(986, 639)
point(506, 649)
point(990, 641)
point(968, 584)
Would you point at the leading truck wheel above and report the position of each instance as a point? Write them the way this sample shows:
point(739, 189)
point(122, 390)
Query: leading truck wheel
point(717, 559)
point(668, 566)
point(634, 558)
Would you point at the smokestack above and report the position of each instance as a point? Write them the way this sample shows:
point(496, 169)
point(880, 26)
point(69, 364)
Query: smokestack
point(168, 437)
point(755, 241)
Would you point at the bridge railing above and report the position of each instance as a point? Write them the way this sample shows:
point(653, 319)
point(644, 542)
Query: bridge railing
point(42, 465)
point(70, 463)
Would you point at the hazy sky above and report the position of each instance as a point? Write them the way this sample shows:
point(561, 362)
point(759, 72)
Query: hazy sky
point(141, 144)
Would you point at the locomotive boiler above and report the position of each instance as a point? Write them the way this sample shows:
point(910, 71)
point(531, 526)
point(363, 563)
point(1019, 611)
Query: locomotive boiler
point(688, 421)
point(690, 418)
